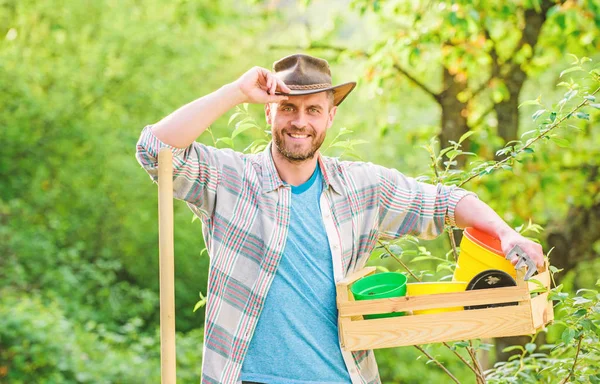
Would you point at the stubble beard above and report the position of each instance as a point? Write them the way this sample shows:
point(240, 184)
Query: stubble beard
point(297, 155)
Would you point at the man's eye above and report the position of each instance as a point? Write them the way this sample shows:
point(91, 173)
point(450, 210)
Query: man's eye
point(287, 109)
point(314, 110)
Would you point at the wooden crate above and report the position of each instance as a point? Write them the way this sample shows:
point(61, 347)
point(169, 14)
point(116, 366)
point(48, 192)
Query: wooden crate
point(527, 317)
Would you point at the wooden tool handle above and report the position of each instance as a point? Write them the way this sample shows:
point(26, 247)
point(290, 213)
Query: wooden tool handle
point(167, 266)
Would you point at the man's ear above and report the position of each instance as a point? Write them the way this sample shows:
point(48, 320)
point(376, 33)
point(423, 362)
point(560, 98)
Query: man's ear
point(331, 113)
point(268, 113)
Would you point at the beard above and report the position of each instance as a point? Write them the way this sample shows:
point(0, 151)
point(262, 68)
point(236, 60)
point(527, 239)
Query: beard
point(297, 152)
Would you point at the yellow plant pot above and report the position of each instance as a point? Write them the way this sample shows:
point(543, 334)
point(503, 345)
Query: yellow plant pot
point(419, 289)
point(479, 252)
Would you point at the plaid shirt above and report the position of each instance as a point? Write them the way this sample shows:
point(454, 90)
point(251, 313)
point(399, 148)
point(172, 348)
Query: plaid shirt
point(245, 210)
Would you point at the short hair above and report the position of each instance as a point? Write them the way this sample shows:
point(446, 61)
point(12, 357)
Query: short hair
point(331, 97)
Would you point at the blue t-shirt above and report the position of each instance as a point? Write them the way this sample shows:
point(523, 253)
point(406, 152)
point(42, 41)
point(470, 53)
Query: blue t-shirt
point(296, 338)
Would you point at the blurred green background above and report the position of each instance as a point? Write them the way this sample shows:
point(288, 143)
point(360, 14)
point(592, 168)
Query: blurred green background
point(78, 216)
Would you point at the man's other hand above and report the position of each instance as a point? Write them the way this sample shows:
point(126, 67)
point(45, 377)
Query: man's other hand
point(531, 248)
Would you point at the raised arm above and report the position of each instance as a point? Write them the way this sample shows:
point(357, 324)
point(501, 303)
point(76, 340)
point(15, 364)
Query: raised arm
point(182, 127)
point(197, 168)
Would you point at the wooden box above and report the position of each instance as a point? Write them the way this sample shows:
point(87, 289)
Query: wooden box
point(527, 317)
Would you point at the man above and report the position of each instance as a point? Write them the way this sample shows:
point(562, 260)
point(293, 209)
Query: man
point(284, 225)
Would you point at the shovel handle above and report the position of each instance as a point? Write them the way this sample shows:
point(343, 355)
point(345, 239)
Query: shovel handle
point(167, 266)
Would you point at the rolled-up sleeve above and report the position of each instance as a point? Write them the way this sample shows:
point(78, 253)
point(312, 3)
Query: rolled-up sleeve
point(196, 170)
point(407, 206)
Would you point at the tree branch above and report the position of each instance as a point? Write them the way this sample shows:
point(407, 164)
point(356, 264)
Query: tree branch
point(537, 138)
point(436, 96)
point(566, 379)
point(399, 261)
point(438, 364)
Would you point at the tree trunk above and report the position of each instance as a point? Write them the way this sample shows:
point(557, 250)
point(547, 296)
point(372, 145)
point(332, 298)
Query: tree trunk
point(573, 238)
point(507, 113)
point(454, 112)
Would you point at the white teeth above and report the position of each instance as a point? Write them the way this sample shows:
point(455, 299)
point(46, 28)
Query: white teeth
point(298, 136)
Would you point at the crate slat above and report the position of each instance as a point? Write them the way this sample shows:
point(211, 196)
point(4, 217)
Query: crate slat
point(525, 318)
point(541, 310)
point(440, 300)
point(543, 277)
point(434, 328)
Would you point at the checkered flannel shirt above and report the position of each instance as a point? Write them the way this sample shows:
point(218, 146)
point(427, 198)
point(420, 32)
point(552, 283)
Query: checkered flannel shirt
point(245, 210)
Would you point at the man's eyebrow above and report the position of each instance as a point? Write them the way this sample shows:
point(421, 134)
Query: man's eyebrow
point(290, 104)
point(287, 104)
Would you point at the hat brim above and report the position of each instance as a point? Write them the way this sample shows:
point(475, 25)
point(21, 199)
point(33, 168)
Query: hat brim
point(339, 92)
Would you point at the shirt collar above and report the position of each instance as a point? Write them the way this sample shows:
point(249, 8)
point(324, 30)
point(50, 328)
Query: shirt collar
point(272, 181)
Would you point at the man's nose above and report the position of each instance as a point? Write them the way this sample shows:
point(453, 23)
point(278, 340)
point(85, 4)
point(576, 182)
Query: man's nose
point(299, 120)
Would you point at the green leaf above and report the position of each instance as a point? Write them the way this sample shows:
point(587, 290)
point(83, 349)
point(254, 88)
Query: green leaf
point(530, 347)
point(201, 303)
point(241, 128)
point(597, 106)
point(227, 140)
point(572, 69)
point(358, 142)
point(553, 269)
point(513, 348)
point(575, 57)
point(537, 101)
point(465, 136)
point(396, 249)
point(538, 113)
point(342, 144)
point(453, 153)
point(568, 335)
point(583, 115)
point(581, 300)
point(528, 132)
point(590, 97)
point(569, 95)
point(421, 258)
point(233, 117)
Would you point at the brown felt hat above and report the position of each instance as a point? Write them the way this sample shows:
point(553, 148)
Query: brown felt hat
point(306, 75)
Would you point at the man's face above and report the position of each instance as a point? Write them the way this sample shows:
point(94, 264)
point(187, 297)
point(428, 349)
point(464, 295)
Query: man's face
point(299, 124)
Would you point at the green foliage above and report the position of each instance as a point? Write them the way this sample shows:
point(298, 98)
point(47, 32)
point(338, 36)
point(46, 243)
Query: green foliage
point(77, 214)
point(78, 254)
point(580, 315)
point(573, 357)
point(39, 340)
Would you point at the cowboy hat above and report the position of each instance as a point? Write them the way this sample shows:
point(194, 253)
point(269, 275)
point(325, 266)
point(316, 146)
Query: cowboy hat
point(305, 75)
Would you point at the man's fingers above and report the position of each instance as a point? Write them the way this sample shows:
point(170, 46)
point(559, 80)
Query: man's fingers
point(283, 87)
point(273, 84)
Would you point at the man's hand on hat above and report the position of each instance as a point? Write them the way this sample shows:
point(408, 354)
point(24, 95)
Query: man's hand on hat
point(510, 238)
point(258, 86)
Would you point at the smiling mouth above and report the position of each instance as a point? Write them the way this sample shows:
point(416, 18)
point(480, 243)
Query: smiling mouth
point(297, 136)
